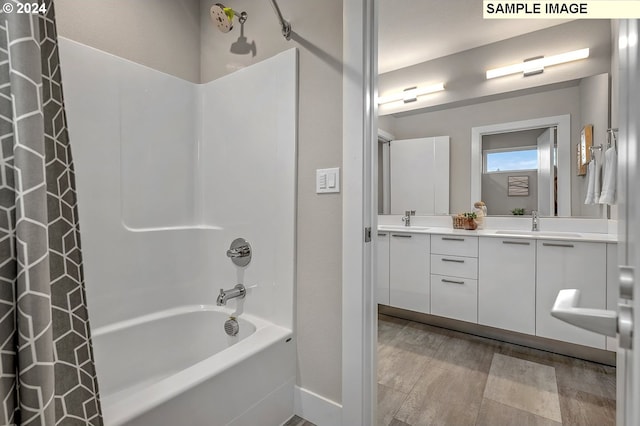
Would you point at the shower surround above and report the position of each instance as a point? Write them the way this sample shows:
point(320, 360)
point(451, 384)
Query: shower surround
point(168, 174)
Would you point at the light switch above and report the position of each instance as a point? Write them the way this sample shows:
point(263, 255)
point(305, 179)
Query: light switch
point(328, 180)
point(332, 180)
point(323, 181)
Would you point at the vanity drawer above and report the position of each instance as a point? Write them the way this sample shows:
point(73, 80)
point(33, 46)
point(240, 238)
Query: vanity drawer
point(455, 245)
point(454, 297)
point(455, 266)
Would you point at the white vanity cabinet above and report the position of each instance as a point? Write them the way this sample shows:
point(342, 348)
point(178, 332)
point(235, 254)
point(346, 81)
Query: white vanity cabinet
point(569, 265)
point(382, 268)
point(454, 277)
point(409, 271)
point(507, 284)
point(613, 290)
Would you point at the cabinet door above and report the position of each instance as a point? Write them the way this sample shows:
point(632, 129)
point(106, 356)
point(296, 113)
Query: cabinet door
point(507, 284)
point(613, 290)
point(454, 297)
point(409, 271)
point(575, 265)
point(382, 259)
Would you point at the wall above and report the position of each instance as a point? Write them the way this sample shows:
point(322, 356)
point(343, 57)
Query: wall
point(153, 180)
point(161, 34)
point(317, 33)
point(464, 73)
point(495, 193)
point(594, 110)
point(457, 123)
point(615, 94)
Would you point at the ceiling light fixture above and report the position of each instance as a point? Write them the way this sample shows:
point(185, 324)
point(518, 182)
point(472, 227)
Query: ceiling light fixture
point(536, 65)
point(411, 94)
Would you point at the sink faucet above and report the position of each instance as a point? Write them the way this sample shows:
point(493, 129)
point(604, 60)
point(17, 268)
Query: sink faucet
point(407, 217)
point(237, 291)
point(535, 225)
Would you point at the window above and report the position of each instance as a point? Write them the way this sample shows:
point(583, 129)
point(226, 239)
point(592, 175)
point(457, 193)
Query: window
point(511, 159)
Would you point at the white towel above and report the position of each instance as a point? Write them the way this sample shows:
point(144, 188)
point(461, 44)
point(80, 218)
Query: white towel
point(593, 183)
point(608, 195)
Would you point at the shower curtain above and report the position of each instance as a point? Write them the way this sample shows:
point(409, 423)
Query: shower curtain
point(47, 374)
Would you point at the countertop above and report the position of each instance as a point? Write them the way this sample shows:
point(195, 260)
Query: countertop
point(503, 233)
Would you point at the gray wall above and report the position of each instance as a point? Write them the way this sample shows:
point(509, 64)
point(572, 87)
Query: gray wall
point(511, 139)
point(615, 95)
point(594, 102)
point(495, 193)
point(457, 123)
point(175, 36)
point(317, 34)
point(161, 34)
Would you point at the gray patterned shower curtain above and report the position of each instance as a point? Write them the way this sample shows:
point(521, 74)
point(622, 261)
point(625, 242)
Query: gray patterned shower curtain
point(47, 374)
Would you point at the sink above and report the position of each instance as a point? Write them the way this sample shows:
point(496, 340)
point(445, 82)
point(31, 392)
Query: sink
point(541, 234)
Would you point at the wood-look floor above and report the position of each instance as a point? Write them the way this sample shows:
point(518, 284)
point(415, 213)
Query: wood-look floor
point(433, 376)
point(298, 421)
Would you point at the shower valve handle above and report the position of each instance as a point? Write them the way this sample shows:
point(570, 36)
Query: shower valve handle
point(242, 251)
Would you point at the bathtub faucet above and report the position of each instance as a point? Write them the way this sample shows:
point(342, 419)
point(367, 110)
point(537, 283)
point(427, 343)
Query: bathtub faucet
point(237, 291)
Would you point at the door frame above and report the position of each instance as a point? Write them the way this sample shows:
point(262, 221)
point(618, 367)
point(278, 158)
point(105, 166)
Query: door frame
point(359, 211)
point(628, 373)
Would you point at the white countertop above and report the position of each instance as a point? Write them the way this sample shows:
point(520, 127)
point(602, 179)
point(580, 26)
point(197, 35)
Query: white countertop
point(499, 233)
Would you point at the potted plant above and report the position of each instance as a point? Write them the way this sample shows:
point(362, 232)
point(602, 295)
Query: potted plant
point(517, 211)
point(470, 222)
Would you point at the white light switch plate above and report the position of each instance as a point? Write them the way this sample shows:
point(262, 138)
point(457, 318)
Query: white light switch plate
point(327, 180)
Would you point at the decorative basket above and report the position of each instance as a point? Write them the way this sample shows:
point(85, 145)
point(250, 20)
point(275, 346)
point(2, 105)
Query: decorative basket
point(459, 221)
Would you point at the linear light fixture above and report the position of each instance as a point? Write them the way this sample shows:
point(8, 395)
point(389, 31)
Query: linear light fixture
point(536, 65)
point(411, 94)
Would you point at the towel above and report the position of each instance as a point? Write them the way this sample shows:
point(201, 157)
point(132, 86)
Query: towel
point(593, 183)
point(608, 195)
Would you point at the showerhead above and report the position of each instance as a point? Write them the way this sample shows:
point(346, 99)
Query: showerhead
point(223, 17)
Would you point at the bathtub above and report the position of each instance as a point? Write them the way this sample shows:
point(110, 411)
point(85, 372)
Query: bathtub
point(179, 367)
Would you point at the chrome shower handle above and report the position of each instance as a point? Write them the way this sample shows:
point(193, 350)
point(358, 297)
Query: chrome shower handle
point(242, 251)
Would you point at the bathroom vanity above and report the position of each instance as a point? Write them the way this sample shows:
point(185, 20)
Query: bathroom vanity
point(505, 280)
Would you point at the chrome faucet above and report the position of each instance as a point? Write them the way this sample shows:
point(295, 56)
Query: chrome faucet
point(237, 291)
point(407, 217)
point(535, 225)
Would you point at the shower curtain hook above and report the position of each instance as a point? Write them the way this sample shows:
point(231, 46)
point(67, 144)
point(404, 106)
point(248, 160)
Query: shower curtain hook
point(286, 26)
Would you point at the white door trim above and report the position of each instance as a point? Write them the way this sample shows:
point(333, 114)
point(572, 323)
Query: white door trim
point(628, 371)
point(359, 310)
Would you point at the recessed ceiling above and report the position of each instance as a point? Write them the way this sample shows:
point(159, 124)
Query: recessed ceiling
point(415, 31)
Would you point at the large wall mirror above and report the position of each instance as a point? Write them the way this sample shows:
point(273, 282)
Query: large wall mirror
point(512, 139)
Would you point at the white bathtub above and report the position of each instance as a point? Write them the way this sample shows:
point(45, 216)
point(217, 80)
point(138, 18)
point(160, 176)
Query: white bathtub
point(179, 367)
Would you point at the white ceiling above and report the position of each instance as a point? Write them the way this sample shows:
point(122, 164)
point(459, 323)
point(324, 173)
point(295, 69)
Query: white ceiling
point(415, 31)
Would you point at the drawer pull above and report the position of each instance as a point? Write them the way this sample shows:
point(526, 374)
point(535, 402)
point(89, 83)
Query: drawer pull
point(444, 280)
point(381, 235)
point(557, 245)
point(520, 243)
point(452, 239)
point(444, 259)
point(401, 235)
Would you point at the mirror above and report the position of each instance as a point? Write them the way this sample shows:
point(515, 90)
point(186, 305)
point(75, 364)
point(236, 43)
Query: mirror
point(578, 90)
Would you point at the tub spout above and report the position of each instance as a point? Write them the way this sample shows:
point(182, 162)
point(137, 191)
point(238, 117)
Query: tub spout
point(237, 291)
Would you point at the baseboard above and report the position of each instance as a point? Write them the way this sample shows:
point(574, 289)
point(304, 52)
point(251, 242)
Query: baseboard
point(315, 408)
